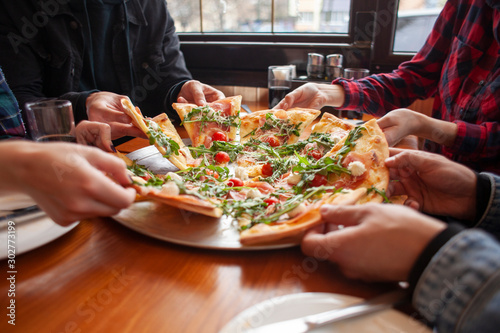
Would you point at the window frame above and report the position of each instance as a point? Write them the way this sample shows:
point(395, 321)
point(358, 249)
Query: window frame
point(241, 59)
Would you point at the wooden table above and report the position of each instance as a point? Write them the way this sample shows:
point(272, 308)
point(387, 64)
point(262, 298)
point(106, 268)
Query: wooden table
point(103, 277)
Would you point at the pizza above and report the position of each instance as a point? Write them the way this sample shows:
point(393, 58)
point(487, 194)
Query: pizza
point(274, 191)
point(276, 127)
point(161, 133)
point(216, 121)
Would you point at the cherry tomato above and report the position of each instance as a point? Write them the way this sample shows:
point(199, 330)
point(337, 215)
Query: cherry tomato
point(271, 201)
point(315, 154)
point(234, 182)
point(267, 169)
point(219, 136)
point(146, 176)
point(212, 173)
point(319, 180)
point(272, 140)
point(221, 157)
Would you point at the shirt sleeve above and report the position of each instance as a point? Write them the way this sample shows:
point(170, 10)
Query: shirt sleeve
point(477, 141)
point(11, 122)
point(414, 79)
point(490, 220)
point(459, 291)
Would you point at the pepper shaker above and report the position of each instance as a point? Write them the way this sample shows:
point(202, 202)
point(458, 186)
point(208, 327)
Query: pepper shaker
point(334, 66)
point(315, 66)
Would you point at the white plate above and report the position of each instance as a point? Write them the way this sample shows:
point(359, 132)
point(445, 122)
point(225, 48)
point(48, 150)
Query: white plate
point(29, 234)
point(186, 228)
point(303, 304)
point(179, 226)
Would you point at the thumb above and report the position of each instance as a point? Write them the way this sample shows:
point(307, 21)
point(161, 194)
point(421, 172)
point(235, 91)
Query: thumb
point(341, 215)
point(110, 165)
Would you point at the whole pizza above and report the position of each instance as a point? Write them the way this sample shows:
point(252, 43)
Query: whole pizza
point(270, 170)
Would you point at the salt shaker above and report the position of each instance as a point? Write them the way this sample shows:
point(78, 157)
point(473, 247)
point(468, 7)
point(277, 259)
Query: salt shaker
point(334, 66)
point(315, 66)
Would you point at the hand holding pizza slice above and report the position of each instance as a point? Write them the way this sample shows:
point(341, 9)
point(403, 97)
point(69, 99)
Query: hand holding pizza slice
point(162, 133)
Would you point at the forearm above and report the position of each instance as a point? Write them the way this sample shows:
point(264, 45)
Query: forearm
point(460, 286)
point(335, 94)
point(439, 131)
point(15, 157)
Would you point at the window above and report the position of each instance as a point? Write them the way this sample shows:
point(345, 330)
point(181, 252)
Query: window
point(415, 20)
point(261, 16)
point(232, 42)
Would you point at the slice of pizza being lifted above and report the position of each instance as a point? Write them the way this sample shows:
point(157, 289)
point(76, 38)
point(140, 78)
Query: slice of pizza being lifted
point(216, 121)
point(276, 127)
point(353, 172)
point(161, 133)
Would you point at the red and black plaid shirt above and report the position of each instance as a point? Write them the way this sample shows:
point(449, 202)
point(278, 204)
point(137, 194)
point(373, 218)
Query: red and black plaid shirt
point(459, 65)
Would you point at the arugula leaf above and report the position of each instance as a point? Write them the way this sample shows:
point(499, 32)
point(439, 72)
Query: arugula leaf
point(379, 192)
point(156, 135)
point(206, 114)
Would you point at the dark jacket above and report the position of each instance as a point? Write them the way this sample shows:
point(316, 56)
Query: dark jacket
point(42, 43)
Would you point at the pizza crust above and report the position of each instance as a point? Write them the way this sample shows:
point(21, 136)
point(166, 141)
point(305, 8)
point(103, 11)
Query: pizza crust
point(263, 233)
point(166, 127)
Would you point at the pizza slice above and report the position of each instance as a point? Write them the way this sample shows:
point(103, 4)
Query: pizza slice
point(357, 161)
point(353, 172)
point(294, 228)
point(323, 137)
point(276, 127)
point(183, 192)
point(216, 121)
point(161, 133)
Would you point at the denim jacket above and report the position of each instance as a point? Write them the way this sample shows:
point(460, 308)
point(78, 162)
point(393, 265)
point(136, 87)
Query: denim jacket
point(459, 290)
point(41, 52)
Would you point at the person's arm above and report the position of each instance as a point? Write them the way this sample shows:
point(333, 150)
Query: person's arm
point(488, 198)
point(400, 123)
point(459, 289)
point(68, 181)
point(417, 78)
point(11, 122)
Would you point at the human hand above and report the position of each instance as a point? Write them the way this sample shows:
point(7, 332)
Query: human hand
point(313, 96)
point(106, 107)
point(93, 133)
point(68, 181)
point(433, 183)
point(379, 242)
point(198, 93)
point(400, 123)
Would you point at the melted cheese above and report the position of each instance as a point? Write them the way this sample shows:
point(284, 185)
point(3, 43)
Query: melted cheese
point(170, 188)
point(293, 179)
point(241, 173)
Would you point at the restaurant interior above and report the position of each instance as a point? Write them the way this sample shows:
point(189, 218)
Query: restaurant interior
point(129, 274)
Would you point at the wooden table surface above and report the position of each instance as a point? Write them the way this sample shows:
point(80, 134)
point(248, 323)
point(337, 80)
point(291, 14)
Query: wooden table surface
point(104, 277)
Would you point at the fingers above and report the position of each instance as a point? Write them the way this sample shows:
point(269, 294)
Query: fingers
point(285, 103)
point(119, 130)
point(341, 215)
point(319, 245)
point(110, 165)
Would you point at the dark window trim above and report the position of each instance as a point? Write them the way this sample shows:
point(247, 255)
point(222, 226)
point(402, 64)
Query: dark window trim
point(383, 56)
point(242, 58)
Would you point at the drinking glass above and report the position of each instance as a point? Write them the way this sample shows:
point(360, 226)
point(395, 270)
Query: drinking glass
point(51, 120)
point(279, 83)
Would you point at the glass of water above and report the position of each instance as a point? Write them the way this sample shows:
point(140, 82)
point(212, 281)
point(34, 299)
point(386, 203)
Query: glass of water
point(51, 120)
